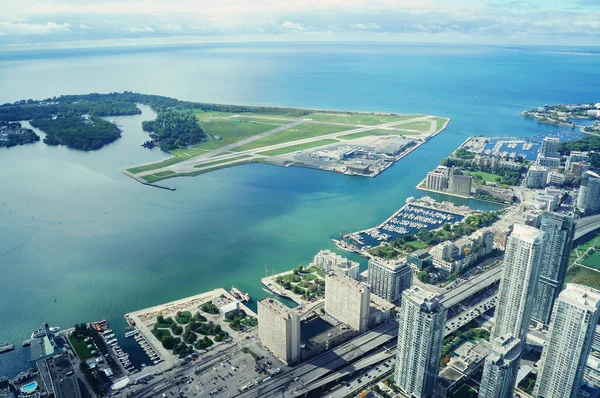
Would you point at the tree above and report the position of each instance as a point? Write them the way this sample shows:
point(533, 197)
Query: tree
point(423, 276)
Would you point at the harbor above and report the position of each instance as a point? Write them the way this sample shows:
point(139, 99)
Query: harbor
point(416, 214)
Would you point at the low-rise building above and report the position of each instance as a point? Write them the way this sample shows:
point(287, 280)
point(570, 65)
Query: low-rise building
point(576, 157)
point(389, 278)
point(380, 311)
point(419, 259)
point(451, 256)
point(537, 177)
point(330, 261)
point(279, 330)
point(556, 178)
point(504, 194)
point(471, 357)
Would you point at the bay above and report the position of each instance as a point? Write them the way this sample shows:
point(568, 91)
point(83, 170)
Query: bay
point(75, 230)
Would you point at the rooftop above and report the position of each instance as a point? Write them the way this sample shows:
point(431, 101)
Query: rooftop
point(527, 234)
point(581, 296)
point(345, 280)
point(275, 306)
point(389, 264)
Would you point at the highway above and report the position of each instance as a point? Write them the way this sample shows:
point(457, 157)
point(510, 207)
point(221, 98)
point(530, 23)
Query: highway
point(471, 287)
point(586, 224)
point(324, 364)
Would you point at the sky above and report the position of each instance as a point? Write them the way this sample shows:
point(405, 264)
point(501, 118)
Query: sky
point(32, 24)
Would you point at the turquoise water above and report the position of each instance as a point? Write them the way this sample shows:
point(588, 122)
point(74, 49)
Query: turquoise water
point(75, 230)
point(29, 388)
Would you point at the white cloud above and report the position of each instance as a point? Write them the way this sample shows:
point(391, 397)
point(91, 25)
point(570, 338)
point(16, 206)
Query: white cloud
point(291, 26)
point(20, 28)
point(141, 29)
point(82, 26)
point(365, 26)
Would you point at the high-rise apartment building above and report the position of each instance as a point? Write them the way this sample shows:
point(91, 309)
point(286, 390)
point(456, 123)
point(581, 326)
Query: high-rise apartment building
point(558, 230)
point(347, 300)
point(389, 278)
point(550, 147)
point(501, 368)
point(520, 273)
point(572, 327)
point(422, 322)
point(279, 330)
point(589, 193)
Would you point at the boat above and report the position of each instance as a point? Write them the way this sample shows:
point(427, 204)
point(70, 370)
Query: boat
point(131, 333)
point(41, 332)
point(5, 347)
point(340, 244)
point(110, 336)
point(274, 290)
point(54, 329)
point(107, 331)
point(235, 292)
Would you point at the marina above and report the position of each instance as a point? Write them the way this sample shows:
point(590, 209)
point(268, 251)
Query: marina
point(409, 219)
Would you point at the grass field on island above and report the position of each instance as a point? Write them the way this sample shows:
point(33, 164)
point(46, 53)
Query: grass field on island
point(231, 131)
point(294, 148)
point(302, 131)
point(358, 118)
point(179, 155)
point(439, 122)
point(419, 126)
point(369, 133)
point(199, 166)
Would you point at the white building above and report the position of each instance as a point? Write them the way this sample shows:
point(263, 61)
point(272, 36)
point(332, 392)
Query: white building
point(501, 368)
point(547, 161)
point(574, 320)
point(437, 179)
point(388, 279)
point(576, 157)
point(422, 321)
point(330, 261)
point(279, 330)
point(347, 300)
point(520, 272)
point(537, 177)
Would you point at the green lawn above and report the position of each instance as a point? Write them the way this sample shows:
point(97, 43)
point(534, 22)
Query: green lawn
point(265, 119)
point(583, 276)
point(180, 155)
point(81, 349)
point(199, 166)
point(420, 126)
point(416, 244)
point(231, 131)
point(358, 118)
point(184, 317)
point(439, 122)
point(374, 132)
point(304, 130)
point(592, 260)
point(298, 147)
point(484, 176)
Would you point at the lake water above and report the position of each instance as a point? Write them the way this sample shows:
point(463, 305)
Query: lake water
point(79, 241)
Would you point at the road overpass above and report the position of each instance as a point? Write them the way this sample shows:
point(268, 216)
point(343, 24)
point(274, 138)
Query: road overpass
point(471, 287)
point(586, 225)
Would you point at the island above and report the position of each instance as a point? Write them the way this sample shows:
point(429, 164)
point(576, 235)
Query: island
point(568, 115)
point(13, 133)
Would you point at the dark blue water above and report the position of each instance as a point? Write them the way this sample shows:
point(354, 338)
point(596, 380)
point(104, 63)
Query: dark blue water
point(72, 228)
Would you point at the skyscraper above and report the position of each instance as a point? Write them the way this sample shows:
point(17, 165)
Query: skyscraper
point(388, 279)
point(279, 330)
point(520, 272)
point(501, 368)
point(420, 338)
point(347, 300)
point(570, 336)
point(558, 231)
point(589, 193)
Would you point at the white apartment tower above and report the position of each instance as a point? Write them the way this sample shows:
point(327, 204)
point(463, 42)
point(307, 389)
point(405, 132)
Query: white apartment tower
point(347, 300)
point(422, 321)
point(388, 279)
point(559, 230)
point(550, 147)
point(574, 320)
point(501, 368)
point(520, 272)
point(279, 330)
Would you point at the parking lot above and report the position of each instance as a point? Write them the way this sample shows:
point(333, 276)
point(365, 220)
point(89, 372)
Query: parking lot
point(227, 376)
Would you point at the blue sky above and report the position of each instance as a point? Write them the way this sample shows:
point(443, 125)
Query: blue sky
point(27, 24)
